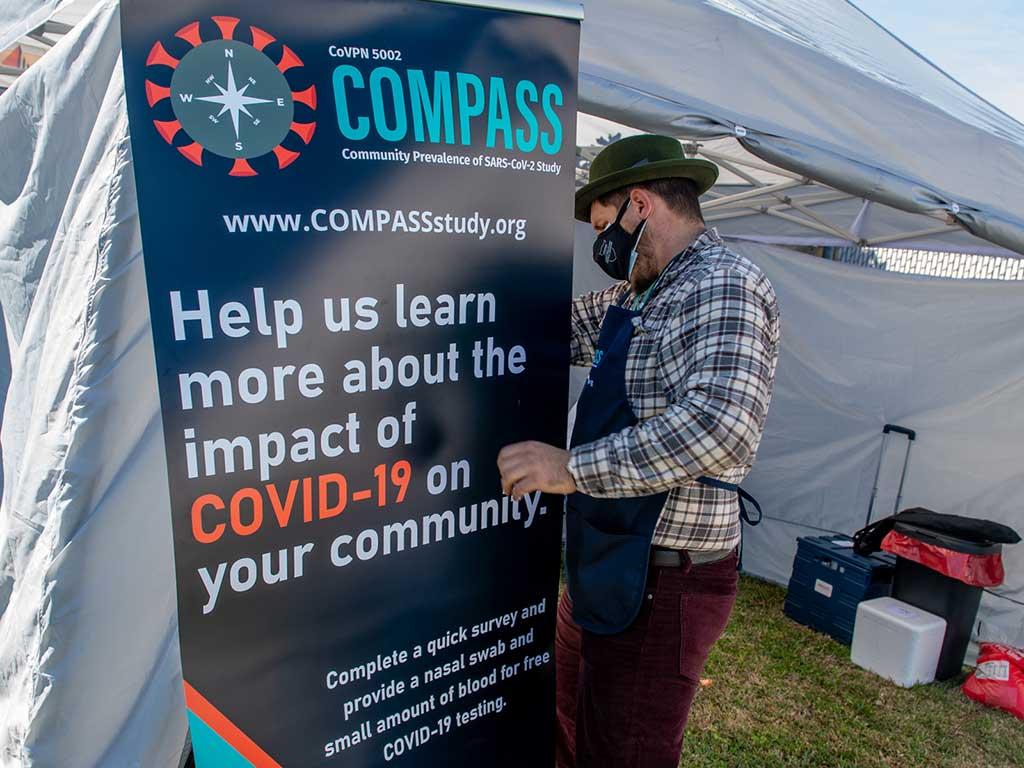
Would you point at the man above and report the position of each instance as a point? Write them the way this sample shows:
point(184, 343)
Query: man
point(682, 352)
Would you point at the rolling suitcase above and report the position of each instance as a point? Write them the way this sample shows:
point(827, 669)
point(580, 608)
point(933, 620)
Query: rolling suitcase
point(911, 436)
point(829, 579)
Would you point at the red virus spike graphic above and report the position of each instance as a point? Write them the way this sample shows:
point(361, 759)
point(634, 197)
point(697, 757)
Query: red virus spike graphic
point(158, 55)
point(227, 26)
point(288, 59)
point(193, 152)
point(167, 129)
point(242, 168)
point(285, 157)
point(261, 39)
point(304, 131)
point(307, 97)
point(190, 34)
point(179, 129)
point(155, 93)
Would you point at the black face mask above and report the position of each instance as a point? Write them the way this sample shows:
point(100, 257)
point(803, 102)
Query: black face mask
point(615, 248)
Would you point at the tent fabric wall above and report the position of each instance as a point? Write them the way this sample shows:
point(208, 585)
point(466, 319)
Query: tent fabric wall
point(862, 348)
point(88, 631)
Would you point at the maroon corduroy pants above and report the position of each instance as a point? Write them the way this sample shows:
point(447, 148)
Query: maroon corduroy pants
point(623, 699)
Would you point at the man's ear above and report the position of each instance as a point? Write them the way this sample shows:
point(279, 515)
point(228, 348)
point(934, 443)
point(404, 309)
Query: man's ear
point(642, 201)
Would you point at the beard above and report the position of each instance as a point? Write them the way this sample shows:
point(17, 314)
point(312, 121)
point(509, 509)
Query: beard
point(645, 271)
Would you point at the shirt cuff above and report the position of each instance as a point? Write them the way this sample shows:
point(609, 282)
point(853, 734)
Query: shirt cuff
point(585, 464)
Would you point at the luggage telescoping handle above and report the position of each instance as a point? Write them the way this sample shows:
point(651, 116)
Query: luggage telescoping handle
point(911, 434)
point(911, 437)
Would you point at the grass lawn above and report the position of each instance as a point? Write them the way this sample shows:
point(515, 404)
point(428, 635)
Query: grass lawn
point(779, 694)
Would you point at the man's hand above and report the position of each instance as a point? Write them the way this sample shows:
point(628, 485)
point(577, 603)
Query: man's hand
point(532, 466)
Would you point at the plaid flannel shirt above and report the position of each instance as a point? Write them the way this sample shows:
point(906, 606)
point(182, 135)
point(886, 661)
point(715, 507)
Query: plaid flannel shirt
point(699, 377)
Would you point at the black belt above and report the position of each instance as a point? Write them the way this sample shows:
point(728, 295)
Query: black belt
point(662, 557)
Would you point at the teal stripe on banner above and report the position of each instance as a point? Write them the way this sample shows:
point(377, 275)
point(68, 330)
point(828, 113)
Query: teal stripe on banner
point(210, 750)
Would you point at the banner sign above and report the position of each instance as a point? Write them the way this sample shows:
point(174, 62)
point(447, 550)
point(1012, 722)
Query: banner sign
point(357, 228)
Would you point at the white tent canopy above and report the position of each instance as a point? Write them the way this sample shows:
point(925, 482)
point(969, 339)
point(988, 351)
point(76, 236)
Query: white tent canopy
point(882, 145)
point(818, 90)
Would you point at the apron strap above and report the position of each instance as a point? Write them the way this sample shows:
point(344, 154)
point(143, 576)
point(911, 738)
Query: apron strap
point(743, 497)
point(743, 508)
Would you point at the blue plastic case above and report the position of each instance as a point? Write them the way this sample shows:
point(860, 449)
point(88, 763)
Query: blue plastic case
point(829, 580)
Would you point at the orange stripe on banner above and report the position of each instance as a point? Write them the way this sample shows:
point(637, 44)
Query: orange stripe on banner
point(227, 730)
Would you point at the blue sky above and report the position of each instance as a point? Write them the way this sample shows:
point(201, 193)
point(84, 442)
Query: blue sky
point(979, 43)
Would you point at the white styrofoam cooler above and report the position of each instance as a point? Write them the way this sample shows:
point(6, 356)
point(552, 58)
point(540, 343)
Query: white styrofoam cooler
point(897, 640)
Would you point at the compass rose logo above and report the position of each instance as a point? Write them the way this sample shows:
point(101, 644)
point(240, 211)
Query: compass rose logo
point(230, 96)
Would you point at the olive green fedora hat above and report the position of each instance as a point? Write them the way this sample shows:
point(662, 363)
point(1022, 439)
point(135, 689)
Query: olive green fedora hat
point(641, 158)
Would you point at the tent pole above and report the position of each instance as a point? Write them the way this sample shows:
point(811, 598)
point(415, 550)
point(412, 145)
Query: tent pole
point(821, 220)
point(810, 200)
point(758, 192)
point(858, 223)
point(739, 172)
point(788, 201)
point(823, 228)
point(40, 39)
point(778, 214)
point(55, 28)
point(718, 157)
point(736, 211)
point(907, 235)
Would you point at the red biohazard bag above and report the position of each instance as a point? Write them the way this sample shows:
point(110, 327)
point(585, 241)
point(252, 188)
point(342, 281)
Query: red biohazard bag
point(998, 680)
point(974, 569)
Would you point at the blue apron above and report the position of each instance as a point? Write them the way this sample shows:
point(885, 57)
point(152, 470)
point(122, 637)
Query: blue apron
point(608, 541)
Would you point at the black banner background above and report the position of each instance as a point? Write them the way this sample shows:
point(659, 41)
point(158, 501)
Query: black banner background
point(260, 656)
